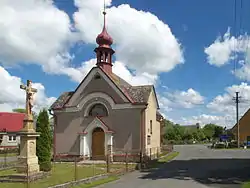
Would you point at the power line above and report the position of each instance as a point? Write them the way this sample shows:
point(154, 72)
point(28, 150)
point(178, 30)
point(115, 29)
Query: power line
point(235, 34)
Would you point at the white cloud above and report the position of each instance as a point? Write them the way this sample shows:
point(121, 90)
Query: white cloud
point(204, 119)
point(34, 31)
point(150, 48)
point(224, 103)
point(227, 48)
point(11, 96)
point(77, 74)
point(181, 99)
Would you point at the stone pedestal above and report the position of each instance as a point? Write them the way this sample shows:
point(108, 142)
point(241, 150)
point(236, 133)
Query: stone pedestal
point(28, 161)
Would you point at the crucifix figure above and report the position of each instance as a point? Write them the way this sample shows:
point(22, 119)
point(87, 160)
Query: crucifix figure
point(29, 97)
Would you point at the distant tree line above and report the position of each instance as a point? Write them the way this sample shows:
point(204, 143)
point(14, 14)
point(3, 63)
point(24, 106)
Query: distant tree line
point(176, 133)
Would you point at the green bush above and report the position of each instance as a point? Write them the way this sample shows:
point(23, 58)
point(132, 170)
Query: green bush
point(44, 141)
point(232, 145)
point(46, 166)
point(220, 145)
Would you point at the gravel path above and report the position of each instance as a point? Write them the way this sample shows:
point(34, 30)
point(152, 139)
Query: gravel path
point(195, 167)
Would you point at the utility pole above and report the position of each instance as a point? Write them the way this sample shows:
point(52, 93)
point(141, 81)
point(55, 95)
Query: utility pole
point(237, 116)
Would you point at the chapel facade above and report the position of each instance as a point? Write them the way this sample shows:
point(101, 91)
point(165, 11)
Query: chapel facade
point(105, 113)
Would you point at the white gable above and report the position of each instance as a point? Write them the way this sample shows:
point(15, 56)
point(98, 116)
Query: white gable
point(94, 124)
point(87, 80)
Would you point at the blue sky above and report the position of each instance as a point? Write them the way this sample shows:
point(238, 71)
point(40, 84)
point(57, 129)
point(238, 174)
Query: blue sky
point(187, 91)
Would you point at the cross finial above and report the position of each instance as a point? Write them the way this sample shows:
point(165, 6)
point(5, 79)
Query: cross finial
point(104, 14)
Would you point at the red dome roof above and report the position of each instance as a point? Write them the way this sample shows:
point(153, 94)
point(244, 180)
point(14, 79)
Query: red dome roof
point(104, 38)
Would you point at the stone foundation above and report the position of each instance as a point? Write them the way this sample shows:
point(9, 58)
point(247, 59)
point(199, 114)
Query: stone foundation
point(24, 178)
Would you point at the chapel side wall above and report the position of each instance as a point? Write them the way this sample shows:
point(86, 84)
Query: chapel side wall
point(150, 114)
point(66, 131)
point(126, 123)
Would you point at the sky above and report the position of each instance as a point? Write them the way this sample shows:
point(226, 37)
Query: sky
point(196, 53)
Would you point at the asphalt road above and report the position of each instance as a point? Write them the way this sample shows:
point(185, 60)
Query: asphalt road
point(195, 167)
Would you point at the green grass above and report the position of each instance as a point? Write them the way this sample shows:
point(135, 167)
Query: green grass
point(246, 185)
point(8, 154)
point(168, 157)
point(61, 173)
point(164, 160)
point(98, 182)
point(116, 166)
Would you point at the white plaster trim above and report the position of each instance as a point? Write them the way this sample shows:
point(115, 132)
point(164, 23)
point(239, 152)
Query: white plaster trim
point(88, 108)
point(105, 77)
point(86, 139)
point(99, 95)
point(82, 153)
point(108, 99)
point(94, 124)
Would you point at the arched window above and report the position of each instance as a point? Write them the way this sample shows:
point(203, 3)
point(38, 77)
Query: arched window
point(98, 110)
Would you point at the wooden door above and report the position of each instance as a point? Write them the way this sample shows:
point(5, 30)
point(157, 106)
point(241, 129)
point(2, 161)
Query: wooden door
point(98, 141)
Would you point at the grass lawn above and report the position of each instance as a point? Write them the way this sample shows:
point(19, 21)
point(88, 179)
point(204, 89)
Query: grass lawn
point(61, 173)
point(114, 167)
point(99, 182)
point(246, 185)
point(8, 154)
point(164, 159)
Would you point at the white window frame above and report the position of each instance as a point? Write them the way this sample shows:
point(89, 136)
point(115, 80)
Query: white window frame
point(11, 138)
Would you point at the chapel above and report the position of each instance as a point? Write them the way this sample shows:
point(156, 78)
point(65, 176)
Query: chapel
point(105, 113)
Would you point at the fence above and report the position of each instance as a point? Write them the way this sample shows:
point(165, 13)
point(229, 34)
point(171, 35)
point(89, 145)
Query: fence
point(8, 156)
point(118, 162)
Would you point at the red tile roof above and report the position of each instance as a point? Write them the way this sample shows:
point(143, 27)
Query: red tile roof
point(11, 121)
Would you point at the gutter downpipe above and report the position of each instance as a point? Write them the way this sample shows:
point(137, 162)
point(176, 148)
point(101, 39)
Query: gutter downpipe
point(54, 133)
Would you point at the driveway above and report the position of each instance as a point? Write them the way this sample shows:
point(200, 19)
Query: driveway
point(195, 167)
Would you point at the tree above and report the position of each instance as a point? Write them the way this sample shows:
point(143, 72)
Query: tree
point(44, 141)
point(201, 134)
point(19, 110)
point(22, 110)
point(208, 130)
point(187, 135)
point(218, 130)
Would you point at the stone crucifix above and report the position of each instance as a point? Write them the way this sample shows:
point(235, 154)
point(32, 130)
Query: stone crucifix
point(29, 97)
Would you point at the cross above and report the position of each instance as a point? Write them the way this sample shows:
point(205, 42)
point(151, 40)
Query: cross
point(29, 96)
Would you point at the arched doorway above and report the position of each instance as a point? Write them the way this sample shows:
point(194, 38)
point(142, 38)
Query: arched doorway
point(98, 141)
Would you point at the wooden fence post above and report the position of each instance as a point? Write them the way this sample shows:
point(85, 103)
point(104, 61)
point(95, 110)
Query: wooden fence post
point(126, 161)
point(75, 169)
point(108, 163)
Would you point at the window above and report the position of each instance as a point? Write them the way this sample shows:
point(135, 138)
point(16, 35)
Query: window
point(151, 127)
point(97, 76)
point(1, 139)
point(12, 138)
point(98, 110)
point(149, 140)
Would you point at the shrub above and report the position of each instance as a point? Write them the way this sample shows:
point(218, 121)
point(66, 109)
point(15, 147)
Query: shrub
point(220, 145)
point(232, 145)
point(46, 166)
point(44, 141)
